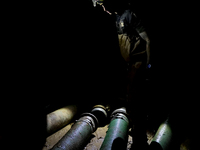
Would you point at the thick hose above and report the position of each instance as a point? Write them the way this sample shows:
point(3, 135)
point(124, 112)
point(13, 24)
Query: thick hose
point(77, 136)
point(117, 134)
point(163, 137)
point(60, 118)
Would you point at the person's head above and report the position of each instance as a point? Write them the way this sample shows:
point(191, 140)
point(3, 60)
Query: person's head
point(112, 6)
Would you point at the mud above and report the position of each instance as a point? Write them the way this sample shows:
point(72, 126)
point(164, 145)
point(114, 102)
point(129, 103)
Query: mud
point(96, 139)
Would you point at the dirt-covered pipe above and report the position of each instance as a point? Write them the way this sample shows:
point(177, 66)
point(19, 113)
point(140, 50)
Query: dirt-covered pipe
point(117, 134)
point(60, 118)
point(163, 137)
point(77, 137)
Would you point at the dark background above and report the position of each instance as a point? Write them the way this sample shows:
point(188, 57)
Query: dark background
point(37, 69)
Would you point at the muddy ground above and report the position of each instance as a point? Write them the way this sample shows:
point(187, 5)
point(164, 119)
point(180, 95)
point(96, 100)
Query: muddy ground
point(95, 141)
point(98, 136)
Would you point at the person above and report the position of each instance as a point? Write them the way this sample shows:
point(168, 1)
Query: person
point(131, 31)
point(134, 44)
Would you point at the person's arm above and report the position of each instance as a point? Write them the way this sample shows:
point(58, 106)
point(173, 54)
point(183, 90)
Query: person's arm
point(144, 36)
point(140, 28)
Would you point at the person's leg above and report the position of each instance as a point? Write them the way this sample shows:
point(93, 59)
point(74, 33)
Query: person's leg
point(136, 105)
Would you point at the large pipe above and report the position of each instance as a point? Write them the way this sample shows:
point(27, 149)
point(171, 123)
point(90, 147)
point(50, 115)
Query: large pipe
point(101, 113)
point(117, 134)
point(77, 137)
point(163, 137)
point(60, 118)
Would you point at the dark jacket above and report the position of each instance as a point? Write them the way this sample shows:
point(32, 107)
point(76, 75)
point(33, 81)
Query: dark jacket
point(129, 23)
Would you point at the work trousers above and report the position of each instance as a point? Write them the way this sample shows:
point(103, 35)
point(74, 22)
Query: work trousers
point(134, 53)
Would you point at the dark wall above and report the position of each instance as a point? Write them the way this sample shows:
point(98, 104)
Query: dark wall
point(51, 53)
point(60, 55)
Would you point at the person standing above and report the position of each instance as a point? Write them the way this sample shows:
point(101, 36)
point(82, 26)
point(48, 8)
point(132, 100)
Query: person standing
point(134, 44)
